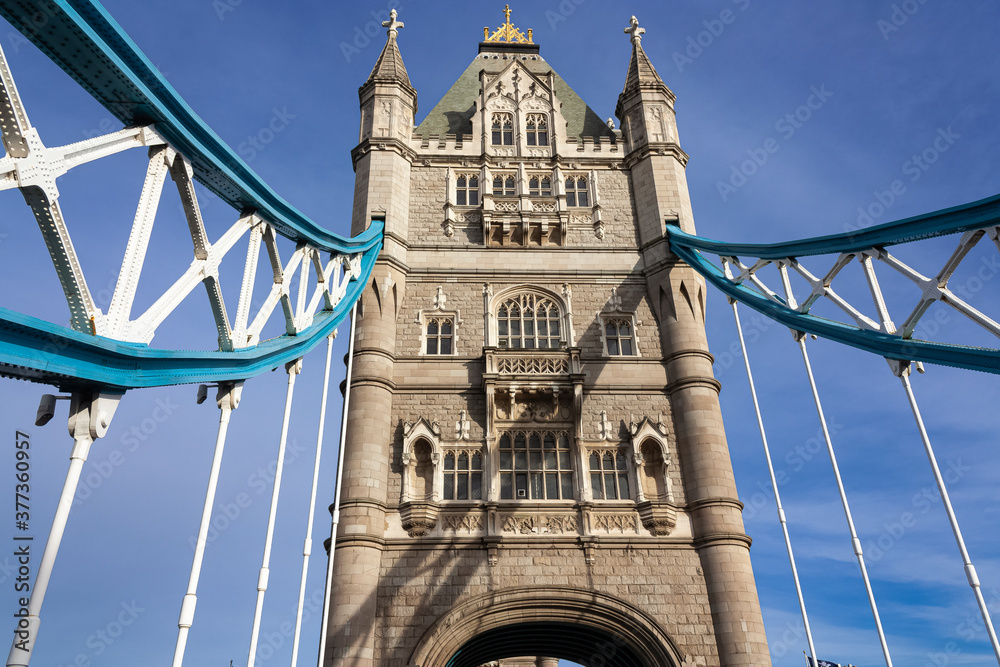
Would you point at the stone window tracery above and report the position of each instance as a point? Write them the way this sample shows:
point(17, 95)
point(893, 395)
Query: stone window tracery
point(609, 475)
point(540, 186)
point(503, 129)
point(463, 475)
point(439, 334)
point(504, 185)
point(467, 190)
point(619, 336)
point(576, 191)
point(528, 321)
point(537, 130)
point(535, 465)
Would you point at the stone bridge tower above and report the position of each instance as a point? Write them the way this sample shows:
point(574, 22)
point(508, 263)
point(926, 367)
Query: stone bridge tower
point(536, 463)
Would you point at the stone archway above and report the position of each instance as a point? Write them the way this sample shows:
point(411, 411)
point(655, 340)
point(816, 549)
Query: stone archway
point(587, 627)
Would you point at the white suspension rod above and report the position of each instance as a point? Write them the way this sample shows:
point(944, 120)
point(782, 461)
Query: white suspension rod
point(307, 547)
point(336, 494)
point(843, 501)
point(293, 368)
point(228, 399)
point(970, 569)
point(89, 419)
point(774, 486)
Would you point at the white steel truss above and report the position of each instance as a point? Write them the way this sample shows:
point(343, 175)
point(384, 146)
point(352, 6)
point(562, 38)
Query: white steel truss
point(931, 289)
point(33, 168)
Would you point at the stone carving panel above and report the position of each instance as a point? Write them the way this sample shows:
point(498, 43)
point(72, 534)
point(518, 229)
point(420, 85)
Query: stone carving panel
point(615, 523)
point(536, 524)
point(537, 407)
point(469, 523)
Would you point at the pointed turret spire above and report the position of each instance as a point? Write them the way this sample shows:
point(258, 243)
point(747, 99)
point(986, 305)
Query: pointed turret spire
point(389, 67)
point(640, 70)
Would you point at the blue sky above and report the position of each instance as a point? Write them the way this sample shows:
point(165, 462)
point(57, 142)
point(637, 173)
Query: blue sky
point(894, 76)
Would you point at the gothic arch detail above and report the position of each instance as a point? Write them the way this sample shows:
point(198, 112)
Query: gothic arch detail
point(541, 318)
point(635, 638)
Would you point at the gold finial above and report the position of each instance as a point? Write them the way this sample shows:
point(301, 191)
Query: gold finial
point(507, 32)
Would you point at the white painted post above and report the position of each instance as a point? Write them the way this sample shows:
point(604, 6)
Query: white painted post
point(307, 547)
point(90, 414)
point(228, 398)
point(293, 368)
point(336, 494)
point(774, 485)
point(970, 569)
point(855, 542)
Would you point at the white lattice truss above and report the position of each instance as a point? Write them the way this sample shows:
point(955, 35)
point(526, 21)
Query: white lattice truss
point(33, 168)
point(932, 289)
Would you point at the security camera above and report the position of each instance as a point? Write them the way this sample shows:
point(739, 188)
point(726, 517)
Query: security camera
point(46, 409)
point(202, 393)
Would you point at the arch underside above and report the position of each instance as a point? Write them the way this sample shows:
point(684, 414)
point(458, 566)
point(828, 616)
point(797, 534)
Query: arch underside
point(582, 644)
point(590, 628)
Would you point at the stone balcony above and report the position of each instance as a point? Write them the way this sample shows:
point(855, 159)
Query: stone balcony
point(532, 365)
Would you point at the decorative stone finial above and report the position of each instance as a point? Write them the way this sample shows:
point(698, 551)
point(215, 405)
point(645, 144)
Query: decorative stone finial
point(635, 31)
point(393, 25)
point(507, 32)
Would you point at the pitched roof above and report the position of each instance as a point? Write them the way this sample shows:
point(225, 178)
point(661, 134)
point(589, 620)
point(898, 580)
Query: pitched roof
point(389, 66)
point(453, 114)
point(640, 70)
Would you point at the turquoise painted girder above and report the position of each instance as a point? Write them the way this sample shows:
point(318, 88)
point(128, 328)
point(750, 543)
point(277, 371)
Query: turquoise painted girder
point(36, 350)
point(86, 42)
point(89, 45)
point(976, 215)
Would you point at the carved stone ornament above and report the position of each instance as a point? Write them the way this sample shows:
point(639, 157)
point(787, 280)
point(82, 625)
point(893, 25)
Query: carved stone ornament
point(462, 426)
point(469, 523)
point(659, 519)
point(536, 524)
point(614, 523)
point(418, 518)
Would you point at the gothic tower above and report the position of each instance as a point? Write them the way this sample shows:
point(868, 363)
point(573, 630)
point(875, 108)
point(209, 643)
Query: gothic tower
point(535, 462)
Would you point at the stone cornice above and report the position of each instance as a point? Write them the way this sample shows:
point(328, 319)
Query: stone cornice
point(371, 144)
point(684, 383)
point(655, 149)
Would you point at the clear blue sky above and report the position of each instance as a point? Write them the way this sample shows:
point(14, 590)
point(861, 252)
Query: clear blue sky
point(894, 75)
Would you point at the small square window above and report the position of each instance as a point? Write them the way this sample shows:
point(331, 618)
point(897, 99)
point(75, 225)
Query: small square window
point(439, 335)
point(467, 190)
point(619, 337)
point(576, 191)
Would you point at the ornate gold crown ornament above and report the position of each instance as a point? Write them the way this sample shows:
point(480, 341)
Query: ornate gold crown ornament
point(507, 32)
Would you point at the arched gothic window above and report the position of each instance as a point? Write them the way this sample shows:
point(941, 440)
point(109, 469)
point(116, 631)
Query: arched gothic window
point(537, 130)
point(463, 476)
point(503, 129)
point(609, 475)
point(504, 185)
point(467, 190)
point(439, 335)
point(619, 336)
point(528, 321)
point(535, 466)
point(576, 191)
point(540, 186)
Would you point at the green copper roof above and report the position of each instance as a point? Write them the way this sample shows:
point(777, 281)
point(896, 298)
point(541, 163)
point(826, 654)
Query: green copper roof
point(453, 114)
